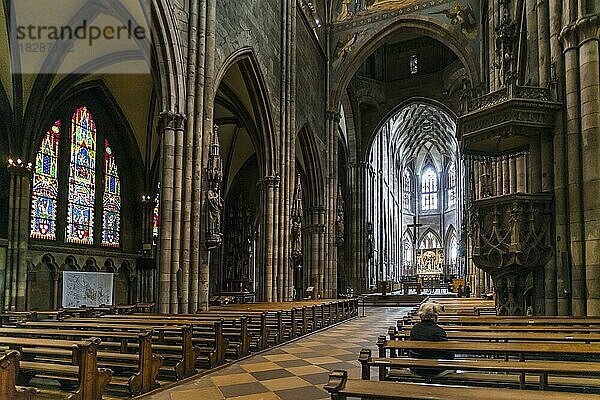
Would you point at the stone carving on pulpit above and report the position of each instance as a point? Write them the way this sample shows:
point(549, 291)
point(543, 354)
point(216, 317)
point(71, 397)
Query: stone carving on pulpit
point(214, 201)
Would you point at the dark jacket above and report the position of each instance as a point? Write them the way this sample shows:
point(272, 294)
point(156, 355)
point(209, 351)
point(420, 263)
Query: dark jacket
point(431, 332)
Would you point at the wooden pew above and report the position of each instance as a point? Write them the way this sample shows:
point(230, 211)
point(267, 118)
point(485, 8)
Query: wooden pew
point(91, 380)
point(112, 351)
point(174, 342)
point(506, 336)
point(542, 369)
point(9, 367)
point(552, 321)
point(340, 388)
point(511, 328)
point(522, 350)
point(207, 335)
point(235, 329)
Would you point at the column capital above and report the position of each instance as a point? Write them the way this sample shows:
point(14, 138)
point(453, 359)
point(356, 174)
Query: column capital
point(334, 116)
point(568, 37)
point(272, 180)
point(588, 28)
point(171, 120)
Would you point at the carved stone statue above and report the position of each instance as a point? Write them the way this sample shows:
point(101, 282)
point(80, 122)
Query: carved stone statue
point(297, 215)
point(214, 201)
point(215, 207)
point(339, 222)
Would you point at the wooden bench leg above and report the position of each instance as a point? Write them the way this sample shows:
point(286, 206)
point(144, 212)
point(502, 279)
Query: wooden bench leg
point(189, 353)
point(149, 365)
point(544, 381)
point(9, 368)
point(92, 380)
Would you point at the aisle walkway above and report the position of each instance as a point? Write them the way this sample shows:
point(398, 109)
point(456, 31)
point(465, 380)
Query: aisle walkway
point(294, 371)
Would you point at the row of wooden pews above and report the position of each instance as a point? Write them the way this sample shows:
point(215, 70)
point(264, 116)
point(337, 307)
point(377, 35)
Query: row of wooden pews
point(85, 354)
point(496, 357)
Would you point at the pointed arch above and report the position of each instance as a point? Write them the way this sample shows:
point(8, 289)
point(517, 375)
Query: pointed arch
point(262, 133)
point(313, 166)
point(417, 24)
point(430, 239)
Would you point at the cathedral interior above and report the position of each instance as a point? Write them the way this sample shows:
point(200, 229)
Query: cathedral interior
point(188, 153)
point(303, 149)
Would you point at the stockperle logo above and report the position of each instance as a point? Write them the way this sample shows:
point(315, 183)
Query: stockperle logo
point(75, 36)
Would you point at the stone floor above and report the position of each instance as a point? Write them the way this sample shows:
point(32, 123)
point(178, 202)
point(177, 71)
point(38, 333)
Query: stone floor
point(294, 371)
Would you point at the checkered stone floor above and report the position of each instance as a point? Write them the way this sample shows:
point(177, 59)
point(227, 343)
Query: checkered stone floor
point(294, 371)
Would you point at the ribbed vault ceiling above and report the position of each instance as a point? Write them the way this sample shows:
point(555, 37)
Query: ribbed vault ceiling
point(421, 127)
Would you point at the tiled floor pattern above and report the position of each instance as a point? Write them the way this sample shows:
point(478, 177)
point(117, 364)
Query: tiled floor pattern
point(294, 371)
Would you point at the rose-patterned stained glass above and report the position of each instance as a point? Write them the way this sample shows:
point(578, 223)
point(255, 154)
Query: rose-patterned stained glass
point(82, 184)
point(111, 202)
point(44, 192)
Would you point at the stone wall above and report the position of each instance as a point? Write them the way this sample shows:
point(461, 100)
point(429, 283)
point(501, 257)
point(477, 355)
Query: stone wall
point(310, 82)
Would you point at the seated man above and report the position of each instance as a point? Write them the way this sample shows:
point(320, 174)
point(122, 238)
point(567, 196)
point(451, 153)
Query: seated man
point(428, 330)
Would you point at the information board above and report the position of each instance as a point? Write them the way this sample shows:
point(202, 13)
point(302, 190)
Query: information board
point(89, 289)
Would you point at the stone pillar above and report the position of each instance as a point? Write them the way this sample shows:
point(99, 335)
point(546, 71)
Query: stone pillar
point(271, 184)
point(588, 31)
point(170, 125)
point(574, 170)
point(563, 283)
point(505, 176)
point(512, 171)
point(521, 174)
point(15, 288)
point(535, 165)
point(358, 207)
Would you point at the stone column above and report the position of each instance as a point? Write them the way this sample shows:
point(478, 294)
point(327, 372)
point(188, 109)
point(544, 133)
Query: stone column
point(358, 207)
point(271, 185)
point(574, 170)
point(505, 176)
point(535, 165)
point(170, 125)
point(521, 174)
point(18, 235)
point(563, 283)
point(588, 31)
point(512, 171)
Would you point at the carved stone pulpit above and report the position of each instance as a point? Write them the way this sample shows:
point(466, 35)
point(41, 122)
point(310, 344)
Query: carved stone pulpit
point(512, 241)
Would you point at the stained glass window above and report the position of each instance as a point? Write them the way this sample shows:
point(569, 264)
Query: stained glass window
point(111, 203)
point(429, 241)
point(155, 215)
point(452, 185)
point(82, 182)
point(414, 64)
point(429, 189)
point(406, 189)
point(44, 193)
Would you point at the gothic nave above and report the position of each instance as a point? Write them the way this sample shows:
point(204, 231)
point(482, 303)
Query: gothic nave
point(186, 154)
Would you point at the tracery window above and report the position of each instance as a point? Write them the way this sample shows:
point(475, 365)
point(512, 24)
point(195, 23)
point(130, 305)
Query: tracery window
point(111, 202)
point(44, 193)
point(82, 178)
point(429, 190)
point(414, 64)
point(452, 185)
point(81, 206)
point(406, 190)
point(429, 241)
